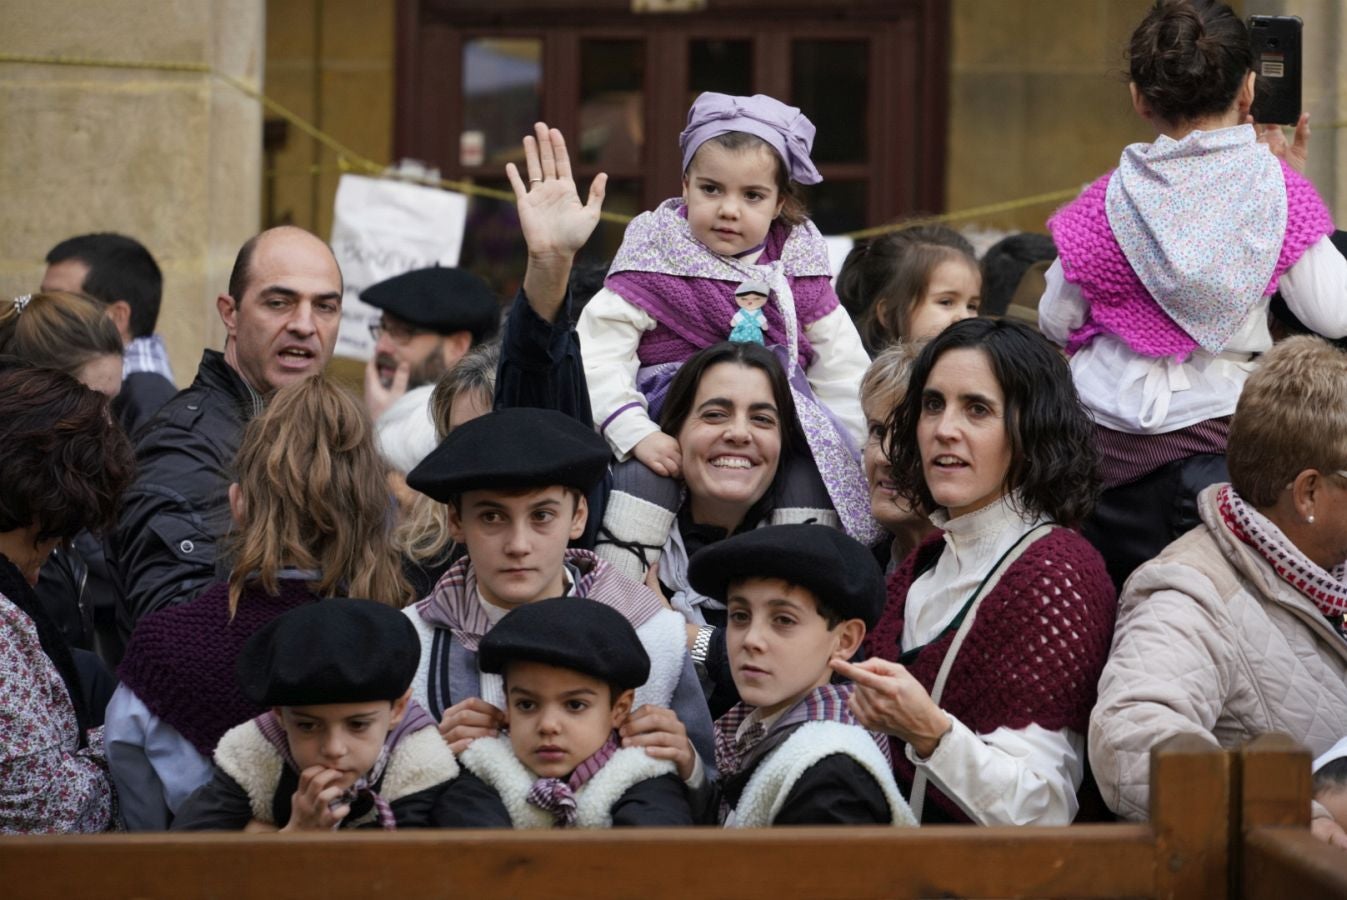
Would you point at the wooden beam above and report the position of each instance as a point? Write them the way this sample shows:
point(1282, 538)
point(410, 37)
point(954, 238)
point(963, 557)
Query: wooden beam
point(841, 863)
point(1191, 807)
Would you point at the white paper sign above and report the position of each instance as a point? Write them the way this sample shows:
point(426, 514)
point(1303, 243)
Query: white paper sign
point(383, 228)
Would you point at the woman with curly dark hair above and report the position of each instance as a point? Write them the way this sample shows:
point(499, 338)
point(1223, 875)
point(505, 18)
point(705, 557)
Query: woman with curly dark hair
point(64, 463)
point(983, 667)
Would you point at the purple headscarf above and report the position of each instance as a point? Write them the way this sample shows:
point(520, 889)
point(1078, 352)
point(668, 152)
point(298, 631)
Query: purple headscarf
point(785, 128)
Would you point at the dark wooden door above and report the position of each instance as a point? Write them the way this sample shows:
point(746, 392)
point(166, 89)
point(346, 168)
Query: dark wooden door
point(473, 75)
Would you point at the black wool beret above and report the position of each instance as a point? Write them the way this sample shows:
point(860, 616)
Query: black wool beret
point(331, 651)
point(570, 633)
point(840, 571)
point(442, 300)
point(511, 449)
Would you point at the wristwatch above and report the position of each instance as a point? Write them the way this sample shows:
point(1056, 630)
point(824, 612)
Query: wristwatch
point(701, 645)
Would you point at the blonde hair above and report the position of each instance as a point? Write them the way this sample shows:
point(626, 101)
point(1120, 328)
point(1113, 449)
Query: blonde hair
point(886, 379)
point(1292, 416)
point(57, 330)
point(423, 529)
point(315, 496)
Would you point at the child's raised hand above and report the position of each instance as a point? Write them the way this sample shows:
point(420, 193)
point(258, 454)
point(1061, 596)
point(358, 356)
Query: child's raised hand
point(309, 805)
point(468, 720)
point(660, 453)
point(554, 222)
point(663, 736)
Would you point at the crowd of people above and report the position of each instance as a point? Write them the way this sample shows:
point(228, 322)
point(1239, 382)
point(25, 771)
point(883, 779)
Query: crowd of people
point(725, 541)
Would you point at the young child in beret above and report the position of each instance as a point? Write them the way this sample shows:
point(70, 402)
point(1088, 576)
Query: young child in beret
point(515, 481)
point(343, 745)
point(792, 753)
point(570, 668)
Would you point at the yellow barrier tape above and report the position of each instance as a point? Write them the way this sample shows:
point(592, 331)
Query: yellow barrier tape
point(350, 161)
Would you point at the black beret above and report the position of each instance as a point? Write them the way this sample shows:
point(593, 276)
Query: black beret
point(442, 300)
point(330, 651)
point(570, 633)
point(511, 449)
point(841, 572)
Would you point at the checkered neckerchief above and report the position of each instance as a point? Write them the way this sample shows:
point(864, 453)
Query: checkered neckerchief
point(823, 704)
point(557, 795)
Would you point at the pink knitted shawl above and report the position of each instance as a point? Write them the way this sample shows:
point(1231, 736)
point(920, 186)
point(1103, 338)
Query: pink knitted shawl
point(1119, 303)
point(689, 291)
point(1033, 654)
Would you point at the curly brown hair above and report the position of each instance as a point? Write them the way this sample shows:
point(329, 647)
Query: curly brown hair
point(66, 461)
point(1052, 463)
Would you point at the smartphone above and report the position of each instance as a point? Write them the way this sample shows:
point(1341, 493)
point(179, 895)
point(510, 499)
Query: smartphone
point(1276, 58)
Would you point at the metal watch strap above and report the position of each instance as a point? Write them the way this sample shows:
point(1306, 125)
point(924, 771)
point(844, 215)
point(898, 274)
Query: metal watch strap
point(701, 645)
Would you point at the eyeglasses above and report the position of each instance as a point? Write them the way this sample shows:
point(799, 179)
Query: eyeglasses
point(398, 332)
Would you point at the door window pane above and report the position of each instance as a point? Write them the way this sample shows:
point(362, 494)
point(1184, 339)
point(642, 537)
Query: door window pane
point(493, 247)
point(837, 206)
point(612, 103)
point(829, 83)
point(722, 66)
point(501, 99)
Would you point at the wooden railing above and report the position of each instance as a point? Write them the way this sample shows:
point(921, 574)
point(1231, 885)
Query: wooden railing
point(1185, 851)
point(1278, 858)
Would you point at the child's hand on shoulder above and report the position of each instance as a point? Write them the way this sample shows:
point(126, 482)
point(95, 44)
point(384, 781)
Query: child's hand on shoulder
point(663, 736)
point(468, 720)
point(660, 453)
point(310, 806)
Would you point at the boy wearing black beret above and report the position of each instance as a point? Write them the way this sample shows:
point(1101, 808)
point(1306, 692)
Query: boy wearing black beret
point(791, 753)
point(515, 481)
point(570, 668)
point(343, 745)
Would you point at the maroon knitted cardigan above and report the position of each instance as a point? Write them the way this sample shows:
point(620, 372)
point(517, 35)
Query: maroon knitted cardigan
point(1033, 655)
point(181, 661)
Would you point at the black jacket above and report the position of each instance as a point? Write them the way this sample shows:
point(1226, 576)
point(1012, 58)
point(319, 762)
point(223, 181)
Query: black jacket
point(221, 804)
point(143, 394)
point(164, 546)
point(653, 803)
point(836, 790)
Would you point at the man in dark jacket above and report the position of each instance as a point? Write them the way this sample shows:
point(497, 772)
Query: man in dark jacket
point(281, 317)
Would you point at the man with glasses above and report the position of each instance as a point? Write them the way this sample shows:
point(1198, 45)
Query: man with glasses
point(431, 317)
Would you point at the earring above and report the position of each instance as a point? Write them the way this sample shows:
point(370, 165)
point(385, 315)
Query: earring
point(1310, 519)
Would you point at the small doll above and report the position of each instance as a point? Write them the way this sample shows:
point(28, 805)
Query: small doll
point(748, 324)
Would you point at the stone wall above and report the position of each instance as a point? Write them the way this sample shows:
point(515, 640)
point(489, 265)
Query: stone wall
point(170, 158)
point(1039, 102)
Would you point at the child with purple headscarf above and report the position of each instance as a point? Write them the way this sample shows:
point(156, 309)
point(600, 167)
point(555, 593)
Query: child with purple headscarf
point(671, 292)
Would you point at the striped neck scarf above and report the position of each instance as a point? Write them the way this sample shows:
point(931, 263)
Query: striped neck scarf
point(557, 795)
point(823, 704)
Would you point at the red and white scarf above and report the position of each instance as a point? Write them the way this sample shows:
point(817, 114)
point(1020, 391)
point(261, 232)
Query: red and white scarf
point(1327, 589)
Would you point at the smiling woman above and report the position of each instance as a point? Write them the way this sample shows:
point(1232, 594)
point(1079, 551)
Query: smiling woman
point(733, 414)
point(1002, 638)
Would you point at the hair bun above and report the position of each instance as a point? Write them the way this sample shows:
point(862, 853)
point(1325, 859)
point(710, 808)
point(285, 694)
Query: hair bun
point(1188, 58)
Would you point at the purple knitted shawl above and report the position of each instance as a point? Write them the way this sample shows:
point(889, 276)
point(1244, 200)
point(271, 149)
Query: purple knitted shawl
point(181, 660)
point(1120, 305)
point(689, 291)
